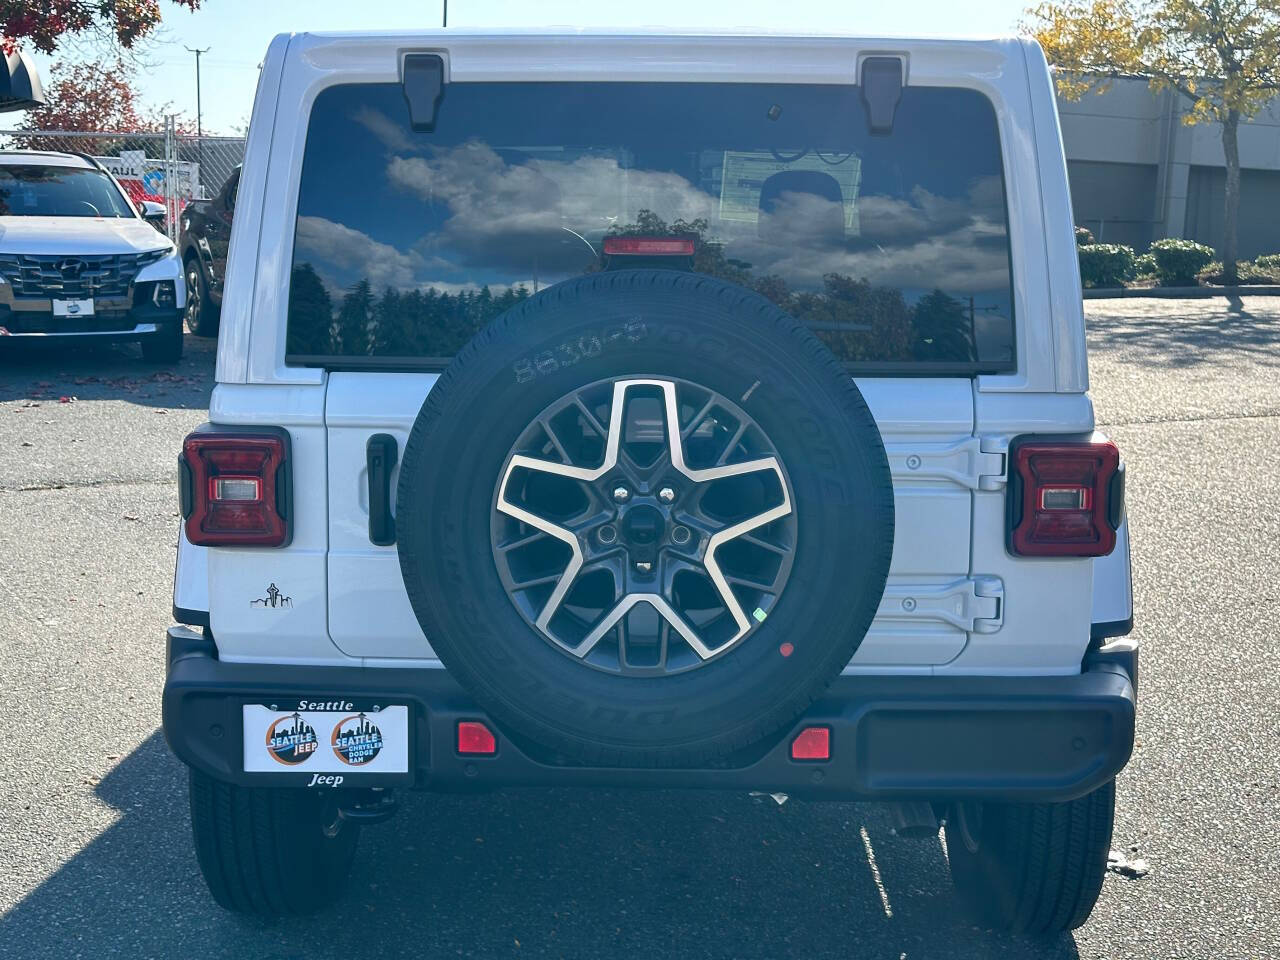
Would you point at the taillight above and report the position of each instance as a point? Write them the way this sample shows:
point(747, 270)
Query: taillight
point(1066, 498)
point(234, 487)
point(648, 246)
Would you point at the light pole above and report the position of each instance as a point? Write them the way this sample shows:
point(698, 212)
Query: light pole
point(199, 126)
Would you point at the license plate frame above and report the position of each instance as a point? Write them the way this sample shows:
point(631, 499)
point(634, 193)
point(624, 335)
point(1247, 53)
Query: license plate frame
point(73, 308)
point(348, 742)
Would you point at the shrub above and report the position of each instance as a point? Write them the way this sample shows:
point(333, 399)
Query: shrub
point(1083, 237)
point(1178, 261)
point(1105, 264)
point(1246, 272)
point(1144, 266)
point(1269, 263)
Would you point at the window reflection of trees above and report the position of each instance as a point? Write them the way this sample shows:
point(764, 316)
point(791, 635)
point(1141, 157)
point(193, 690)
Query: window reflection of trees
point(859, 321)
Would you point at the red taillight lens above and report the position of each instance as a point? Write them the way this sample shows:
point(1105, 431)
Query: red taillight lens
point(1066, 498)
point(475, 739)
point(812, 743)
point(648, 246)
point(235, 488)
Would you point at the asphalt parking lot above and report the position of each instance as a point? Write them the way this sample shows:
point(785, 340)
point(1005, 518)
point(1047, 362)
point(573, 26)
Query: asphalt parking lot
point(95, 855)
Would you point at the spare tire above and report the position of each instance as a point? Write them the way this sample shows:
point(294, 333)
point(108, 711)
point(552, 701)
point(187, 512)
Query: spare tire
point(645, 517)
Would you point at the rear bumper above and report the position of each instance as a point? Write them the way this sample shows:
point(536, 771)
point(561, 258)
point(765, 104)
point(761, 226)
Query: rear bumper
point(912, 737)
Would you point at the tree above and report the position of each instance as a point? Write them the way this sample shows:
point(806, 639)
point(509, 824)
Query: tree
point(92, 97)
point(1222, 56)
point(46, 23)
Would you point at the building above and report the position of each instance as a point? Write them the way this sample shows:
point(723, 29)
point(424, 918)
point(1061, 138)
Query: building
point(1138, 173)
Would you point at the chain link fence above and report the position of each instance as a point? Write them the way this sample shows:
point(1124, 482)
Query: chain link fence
point(164, 166)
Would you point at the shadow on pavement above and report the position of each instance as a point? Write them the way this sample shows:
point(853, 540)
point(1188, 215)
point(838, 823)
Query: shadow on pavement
point(1207, 332)
point(45, 371)
point(525, 873)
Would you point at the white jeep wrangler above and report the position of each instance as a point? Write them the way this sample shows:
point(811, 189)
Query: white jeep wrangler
point(650, 410)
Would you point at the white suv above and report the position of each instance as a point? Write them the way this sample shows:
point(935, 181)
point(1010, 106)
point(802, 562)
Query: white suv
point(690, 411)
point(79, 260)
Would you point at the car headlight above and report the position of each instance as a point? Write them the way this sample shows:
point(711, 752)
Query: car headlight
point(154, 256)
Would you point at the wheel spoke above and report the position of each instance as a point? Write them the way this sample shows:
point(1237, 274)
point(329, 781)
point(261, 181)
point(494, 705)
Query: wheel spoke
point(734, 579)
point(519, 542)
point(555, 440)
point(733, 442)
point(764, 544)
point(698, 418)
point(537, 581)
point(590, 417)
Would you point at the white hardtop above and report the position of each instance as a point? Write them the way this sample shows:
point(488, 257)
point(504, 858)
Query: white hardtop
point(1012, 73)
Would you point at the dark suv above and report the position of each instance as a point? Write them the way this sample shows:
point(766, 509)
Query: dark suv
point(206, 233)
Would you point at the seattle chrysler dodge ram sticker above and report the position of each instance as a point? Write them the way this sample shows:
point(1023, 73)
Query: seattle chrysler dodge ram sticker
point(356, 740)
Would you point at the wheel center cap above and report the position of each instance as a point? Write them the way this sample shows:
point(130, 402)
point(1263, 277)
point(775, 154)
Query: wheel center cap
point(643, 526)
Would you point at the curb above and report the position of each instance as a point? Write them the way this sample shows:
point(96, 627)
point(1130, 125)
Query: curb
point(1183, 293)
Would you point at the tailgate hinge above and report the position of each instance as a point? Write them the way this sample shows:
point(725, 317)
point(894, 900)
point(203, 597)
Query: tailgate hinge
point(994, 450)
point(968, 462)
point(973, 604)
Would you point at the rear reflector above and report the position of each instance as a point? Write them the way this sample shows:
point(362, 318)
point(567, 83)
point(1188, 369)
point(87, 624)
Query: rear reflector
point(235, 488)
point(812, 743)
point(648, 246)
point(475, 739)
point(1066, 498)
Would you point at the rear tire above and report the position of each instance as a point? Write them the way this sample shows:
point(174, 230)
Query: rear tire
point(1038, 867)
point(165, 345)
point(266, 851)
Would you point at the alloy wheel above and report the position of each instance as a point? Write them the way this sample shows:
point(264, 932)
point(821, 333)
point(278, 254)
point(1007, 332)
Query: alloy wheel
point(643, 526)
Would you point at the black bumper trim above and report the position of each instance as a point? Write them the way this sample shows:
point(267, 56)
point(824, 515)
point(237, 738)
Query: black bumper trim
point(893, 737)
point(1106, 629)
point(195, 618)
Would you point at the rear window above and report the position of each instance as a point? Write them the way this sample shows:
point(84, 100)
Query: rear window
point(893, 249)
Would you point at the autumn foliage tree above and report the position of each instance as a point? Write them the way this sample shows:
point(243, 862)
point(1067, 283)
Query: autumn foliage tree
point(91, 97)
point(44, 24)
point(1222, 56)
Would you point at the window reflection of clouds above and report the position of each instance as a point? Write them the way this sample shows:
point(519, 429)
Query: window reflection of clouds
point(500, 215)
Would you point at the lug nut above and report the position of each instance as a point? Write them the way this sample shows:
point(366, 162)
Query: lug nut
point(621, 494)
point(680, 535)
point(666, 495)
point(607, 534)
point(644, 566)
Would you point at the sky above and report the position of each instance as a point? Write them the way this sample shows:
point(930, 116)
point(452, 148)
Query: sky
point(237, 32)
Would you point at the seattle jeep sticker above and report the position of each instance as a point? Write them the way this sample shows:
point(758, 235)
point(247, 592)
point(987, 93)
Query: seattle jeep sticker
point(291, 739)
